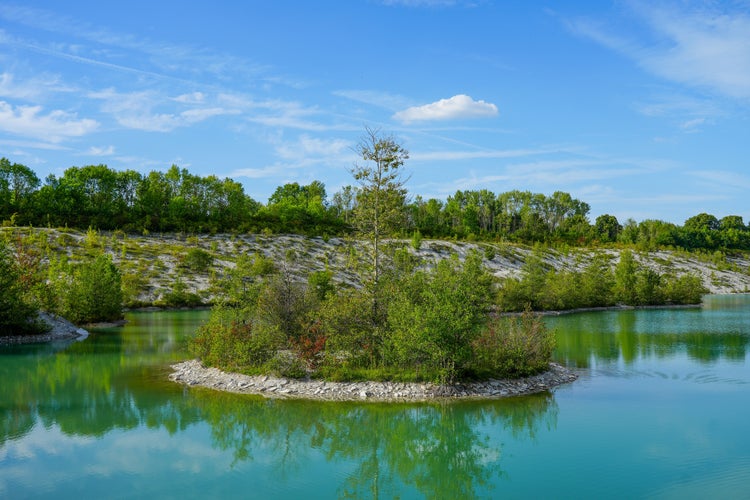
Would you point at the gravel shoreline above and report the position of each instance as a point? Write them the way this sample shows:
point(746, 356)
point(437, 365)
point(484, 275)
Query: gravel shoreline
point(193, 373)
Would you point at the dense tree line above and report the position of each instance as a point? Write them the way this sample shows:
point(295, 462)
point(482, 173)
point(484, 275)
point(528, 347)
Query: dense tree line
point(178, 201)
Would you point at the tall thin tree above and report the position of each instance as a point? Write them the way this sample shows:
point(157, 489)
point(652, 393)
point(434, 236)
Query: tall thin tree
point(380, 201)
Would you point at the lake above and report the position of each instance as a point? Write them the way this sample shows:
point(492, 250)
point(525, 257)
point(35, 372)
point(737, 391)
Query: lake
point(661, 409)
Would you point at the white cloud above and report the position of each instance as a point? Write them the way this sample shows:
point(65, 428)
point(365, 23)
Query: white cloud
point(722, 178)
point(101, 151)
point(307, 148)
point(260, 173)
point(136, 110)
point(192, 98)
point(457, 107)
point(29, 121)
point(707, 49)
point(692, 125)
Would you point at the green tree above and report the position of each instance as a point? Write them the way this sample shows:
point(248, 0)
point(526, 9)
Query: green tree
point(626, 278)
point(18, 183)
point(92, 291)
point(607, 228)
point(437, 314)
point(380, 199)
point(16, 313)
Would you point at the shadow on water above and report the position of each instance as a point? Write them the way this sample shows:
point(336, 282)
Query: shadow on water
point(114, 381)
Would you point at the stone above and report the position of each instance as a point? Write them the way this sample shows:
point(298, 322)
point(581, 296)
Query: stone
point(192, 373)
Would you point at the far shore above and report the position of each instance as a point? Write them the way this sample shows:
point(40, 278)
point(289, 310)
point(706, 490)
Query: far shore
point(59, 329)
point(193, 373)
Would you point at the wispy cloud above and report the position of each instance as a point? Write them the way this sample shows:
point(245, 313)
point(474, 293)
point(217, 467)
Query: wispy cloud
point(432, 156)
point(31, 121)
point(31, 87)
point(101, 151)
point(459, 106)
point(100, 47)
point(385, 100)
point(696, 44)
point(136, 110)
point(308, 148)
point(723, 179)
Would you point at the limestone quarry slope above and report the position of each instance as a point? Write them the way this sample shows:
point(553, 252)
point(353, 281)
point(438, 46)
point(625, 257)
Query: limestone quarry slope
point(155, 262)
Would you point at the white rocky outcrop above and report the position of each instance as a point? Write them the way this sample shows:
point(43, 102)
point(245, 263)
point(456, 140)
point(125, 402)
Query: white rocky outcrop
point(193, 373)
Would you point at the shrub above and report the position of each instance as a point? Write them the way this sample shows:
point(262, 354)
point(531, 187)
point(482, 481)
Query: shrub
point(436, 314)
point(180, 296)
point(513, 347)
point(230, 341)
point(686, 289)
point(16, 312)
point(197, 260)
point(92, 292)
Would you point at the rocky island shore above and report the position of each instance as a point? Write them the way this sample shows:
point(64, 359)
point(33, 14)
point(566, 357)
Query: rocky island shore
point(193, 373)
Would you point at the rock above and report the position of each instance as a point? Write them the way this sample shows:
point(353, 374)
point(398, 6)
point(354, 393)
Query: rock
point(59, 329)
point(193, 373)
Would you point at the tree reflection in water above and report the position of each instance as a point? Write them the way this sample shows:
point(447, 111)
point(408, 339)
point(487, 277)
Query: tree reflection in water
point(447, 450)
point(704, 336)
point(114, 382)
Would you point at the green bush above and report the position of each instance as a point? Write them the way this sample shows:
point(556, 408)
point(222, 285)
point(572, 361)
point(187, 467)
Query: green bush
point(436, 314)
point(685, 289)
point(180, 296)
point(91, 291)
point(16, 312)
point(228, 340)
point(513, 347)
point(198, 260)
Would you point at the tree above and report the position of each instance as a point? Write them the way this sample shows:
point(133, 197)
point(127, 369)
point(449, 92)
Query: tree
point(607, 228)
point(437, 314)
point(18, 183)
point(15, 311)
point(626, 279)
point(381, 197)
point(93, 291)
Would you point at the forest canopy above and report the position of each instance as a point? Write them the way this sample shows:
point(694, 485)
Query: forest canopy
point(102, 198)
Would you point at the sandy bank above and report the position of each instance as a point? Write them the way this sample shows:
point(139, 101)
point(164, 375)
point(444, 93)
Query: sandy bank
point(193, 373)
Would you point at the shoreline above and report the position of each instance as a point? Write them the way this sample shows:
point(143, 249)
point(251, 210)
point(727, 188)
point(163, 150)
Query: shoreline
point(192, 373)
point(60, 329)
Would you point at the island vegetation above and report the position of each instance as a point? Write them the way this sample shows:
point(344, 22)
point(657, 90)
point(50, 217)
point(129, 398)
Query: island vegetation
point(403, 317)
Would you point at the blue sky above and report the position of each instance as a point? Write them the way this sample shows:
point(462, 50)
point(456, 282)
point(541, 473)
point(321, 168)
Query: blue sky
point(640, 110)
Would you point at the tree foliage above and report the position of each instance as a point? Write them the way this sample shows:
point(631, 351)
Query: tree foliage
point(17, 313)
point(86, 292)
point(380, 199)
point(176, 200)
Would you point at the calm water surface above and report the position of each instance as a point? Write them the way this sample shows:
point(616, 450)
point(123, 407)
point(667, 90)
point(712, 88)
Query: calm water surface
point(661, 410)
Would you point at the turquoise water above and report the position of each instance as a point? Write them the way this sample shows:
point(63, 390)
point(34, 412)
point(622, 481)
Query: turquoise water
point(661, 410)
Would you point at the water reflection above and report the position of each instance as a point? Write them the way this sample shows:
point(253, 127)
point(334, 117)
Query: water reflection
point(706, 335)
point(115, 380)
point(440, 450)
point(87, 388)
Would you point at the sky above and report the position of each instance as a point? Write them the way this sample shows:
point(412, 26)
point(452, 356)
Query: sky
point(640, 109)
